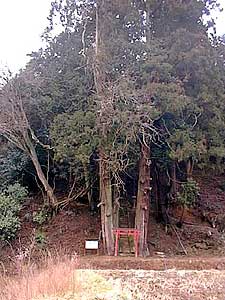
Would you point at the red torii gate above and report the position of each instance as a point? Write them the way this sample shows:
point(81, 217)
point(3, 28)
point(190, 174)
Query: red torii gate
point(118, 232)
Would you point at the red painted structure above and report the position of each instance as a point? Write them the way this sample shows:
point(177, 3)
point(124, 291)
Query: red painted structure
point(118, 232)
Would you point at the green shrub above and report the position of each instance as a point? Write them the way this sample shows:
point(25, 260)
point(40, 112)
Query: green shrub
point(9, 221)
point(16, 191)
point(40, 216)
point(188, 194)
point(10, 205)
point(40, 239)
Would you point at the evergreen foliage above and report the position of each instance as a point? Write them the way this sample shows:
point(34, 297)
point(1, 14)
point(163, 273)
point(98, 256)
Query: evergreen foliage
point(11, 200)
point(189, 193)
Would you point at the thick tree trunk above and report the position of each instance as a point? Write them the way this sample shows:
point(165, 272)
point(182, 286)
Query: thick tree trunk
point(102, 94)
point(143, 199)
point(106, 204)
point(116, 215)
point(40, 174)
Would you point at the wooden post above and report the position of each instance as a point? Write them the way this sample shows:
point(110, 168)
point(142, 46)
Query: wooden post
point(117, 243)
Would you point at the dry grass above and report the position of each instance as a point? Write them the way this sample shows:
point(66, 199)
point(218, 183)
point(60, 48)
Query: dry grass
point(56, 277)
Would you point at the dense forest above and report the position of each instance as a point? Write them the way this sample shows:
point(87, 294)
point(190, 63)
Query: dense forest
point(124, 104)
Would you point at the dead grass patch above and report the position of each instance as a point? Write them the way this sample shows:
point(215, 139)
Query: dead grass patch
point(56, 277)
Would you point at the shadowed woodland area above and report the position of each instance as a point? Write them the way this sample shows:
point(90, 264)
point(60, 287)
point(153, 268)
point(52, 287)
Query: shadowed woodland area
point(122, 115)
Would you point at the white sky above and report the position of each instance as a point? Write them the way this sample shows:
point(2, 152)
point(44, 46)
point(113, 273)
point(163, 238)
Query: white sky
point(23, 21)
point(220, 19)
point(21, 24)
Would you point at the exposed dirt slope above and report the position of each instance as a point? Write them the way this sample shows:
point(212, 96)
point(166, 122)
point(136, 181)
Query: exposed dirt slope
point(67, 231)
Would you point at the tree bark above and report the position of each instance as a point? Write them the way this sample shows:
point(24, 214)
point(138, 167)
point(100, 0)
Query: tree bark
point(101, 92)
point(143, 199)
point(106, 204)
point(41, 176)
point(190, 166)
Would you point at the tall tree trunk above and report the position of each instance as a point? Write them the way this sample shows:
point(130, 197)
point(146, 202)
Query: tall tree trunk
point(190, 166)
point(41, 175)
point(143, 199)
point(105, 103)
point(106, 204)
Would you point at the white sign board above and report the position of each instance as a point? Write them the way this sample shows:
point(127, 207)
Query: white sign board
point(91, 245)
